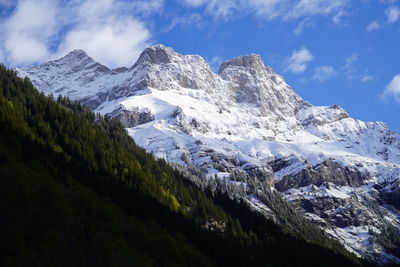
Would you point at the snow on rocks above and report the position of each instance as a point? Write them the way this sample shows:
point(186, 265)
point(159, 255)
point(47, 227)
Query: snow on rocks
point(244, 123)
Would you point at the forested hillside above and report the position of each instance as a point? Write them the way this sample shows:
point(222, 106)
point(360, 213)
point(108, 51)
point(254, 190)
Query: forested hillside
point(75, 190)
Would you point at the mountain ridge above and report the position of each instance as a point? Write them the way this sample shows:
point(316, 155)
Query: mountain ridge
point(245, 126)
point(77, 191)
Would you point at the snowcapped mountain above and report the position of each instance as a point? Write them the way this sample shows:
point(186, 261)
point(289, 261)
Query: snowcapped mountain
point(249, 132)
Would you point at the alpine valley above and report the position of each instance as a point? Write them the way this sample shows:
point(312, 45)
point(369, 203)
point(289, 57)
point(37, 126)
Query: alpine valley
point(246, 133)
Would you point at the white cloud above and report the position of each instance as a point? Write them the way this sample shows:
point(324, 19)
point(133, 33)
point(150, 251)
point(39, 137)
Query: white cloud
point(353, 70)
point(314, 7)
point(367, 78)
point(108, 30)
point(393, 89)
point(393, 14)
point(297, 63)
point(305, 23)
point(266, 9)
point(218, 8)
point(146, 7)
point(269, 9)
point(215, 63)
point(349, 66)
point(339, 18)
point(106, 33)
point(26, 34)
point(185, 20)
point(374, 25)
point(113, 43)
point(323, 73)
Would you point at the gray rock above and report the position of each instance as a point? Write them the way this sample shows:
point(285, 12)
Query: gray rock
point(327, 171)
point(131, 118)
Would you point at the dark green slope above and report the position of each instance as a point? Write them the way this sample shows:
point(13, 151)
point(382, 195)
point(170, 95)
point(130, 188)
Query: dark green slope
point(76, 191)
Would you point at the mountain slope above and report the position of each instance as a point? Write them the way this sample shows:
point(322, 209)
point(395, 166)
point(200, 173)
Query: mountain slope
point(76, 191)
point(249, 131)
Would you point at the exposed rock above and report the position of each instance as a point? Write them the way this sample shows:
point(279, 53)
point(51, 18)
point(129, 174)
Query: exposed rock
point(243, 128)
point(391, 193)
point(251, 82)
point(327, 171)
point(252, 62)
point(262, 173)
point(131, 118)
point(156, 54)
point(177, 112)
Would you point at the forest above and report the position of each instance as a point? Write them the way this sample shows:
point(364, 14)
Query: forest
point(75, 190)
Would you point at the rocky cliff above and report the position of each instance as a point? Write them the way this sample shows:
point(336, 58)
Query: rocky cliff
point(248, 132)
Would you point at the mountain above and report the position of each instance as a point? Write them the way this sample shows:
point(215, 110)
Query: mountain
point(249, 133)
point(75, 190)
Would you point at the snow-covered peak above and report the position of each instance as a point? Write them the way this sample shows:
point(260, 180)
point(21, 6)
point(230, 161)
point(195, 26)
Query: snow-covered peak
point(160, 54)
point(243, 123)
point(161, 68)
point(76, 75)
point(75, 61)
point(77, 54)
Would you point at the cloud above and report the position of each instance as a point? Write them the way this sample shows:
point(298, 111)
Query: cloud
point(26, 34)
point(195, 3)
point(349, 66)
point(323, 73)
point(393, 89)
point(113, 43)
point(374, 25)
point(218, 8)
point(305, 23)
point(314, 7)
point(338, 19)
point(297, 63)
point(147, 7)
point(268, 9)
point(393, 14)
point(353, 70)
point(106, 33)
point(215, 63)
point(185, 20)
point(108, 30)
point(367, 78)
point(6, 3)
point(264, 10)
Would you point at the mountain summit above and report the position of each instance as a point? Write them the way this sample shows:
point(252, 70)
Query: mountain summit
point(249, 132)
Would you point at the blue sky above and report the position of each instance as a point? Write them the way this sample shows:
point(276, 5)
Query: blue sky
point(330, 51)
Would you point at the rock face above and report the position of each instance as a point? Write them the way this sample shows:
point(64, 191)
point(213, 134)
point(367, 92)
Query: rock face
point(326, 171)
point(251, 83)
point(248, 132)
point(131, 118)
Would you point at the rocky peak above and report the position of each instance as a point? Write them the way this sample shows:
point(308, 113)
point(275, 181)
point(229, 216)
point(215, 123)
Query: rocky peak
point(246, 124)
point(251, 82)
point(157, 54)
point(77, 53)
point(75, 57)
point(162, 68)
point(78, 60)
point(251, 62)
